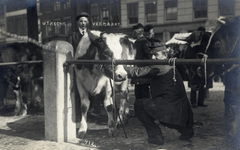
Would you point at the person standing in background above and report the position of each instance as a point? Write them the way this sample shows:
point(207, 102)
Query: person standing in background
point(143, 53)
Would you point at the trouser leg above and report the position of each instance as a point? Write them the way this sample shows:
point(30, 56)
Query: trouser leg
point(193, 95)
point(142, 91)
point(185, 131)
point(147, 121)
point(201, 96)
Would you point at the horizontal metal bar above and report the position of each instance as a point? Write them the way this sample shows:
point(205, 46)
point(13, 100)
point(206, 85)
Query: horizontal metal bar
point(158, 62)
point(18, 63)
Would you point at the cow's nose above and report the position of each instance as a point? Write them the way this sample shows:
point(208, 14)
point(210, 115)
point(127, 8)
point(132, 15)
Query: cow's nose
point(121, 77)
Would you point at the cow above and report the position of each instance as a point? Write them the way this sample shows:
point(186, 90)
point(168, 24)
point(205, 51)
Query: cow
point(22, 77)
point(91, 79)
point(224, 42)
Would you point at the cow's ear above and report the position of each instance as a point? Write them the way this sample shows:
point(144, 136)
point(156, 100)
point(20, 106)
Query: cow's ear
point(222, 20)
point(124, 41)
point(101, 34)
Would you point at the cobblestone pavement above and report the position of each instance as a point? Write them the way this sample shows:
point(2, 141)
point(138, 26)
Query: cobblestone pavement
point(27, 133)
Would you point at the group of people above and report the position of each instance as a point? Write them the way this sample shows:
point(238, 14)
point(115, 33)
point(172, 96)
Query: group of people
point(158, 97)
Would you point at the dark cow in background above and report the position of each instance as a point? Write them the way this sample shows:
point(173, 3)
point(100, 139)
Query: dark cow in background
point(25, 79)
point(224, 42)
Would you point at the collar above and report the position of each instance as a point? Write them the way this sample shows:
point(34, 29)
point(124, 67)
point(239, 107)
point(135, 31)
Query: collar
point(81, 30)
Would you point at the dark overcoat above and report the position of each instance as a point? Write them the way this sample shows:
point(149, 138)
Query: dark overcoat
point(169, 101)
point(75, 37)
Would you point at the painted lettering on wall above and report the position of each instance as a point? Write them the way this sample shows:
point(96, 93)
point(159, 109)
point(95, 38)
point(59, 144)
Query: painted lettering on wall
point(106, 24)
point(51, 23)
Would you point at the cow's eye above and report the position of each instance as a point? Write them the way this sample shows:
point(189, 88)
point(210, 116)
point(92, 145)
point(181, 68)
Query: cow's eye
point(217, 44)
point(106, 52)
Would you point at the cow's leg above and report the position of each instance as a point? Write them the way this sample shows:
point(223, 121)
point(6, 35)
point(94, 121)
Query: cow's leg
point(24, 94)
point(235, 122)
point(85, 103)
point(108, 105)
point(124, 104)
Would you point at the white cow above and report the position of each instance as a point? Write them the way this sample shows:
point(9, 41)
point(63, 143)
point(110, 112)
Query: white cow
point(92, 79)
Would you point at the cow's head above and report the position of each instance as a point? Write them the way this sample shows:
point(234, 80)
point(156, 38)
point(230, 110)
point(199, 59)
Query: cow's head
point(110, 47)
point(224, 41)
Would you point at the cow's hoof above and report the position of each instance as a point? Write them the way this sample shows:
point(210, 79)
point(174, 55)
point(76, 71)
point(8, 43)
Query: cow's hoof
point(16, 113)
point(113, 133)
point(82, 135)
point(23, 113)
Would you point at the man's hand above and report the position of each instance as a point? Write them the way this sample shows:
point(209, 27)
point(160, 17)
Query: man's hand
point(127, 68)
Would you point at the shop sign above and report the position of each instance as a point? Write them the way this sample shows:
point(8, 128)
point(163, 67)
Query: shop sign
point(106, 24)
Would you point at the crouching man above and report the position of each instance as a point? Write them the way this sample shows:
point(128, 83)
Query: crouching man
point(169, 104)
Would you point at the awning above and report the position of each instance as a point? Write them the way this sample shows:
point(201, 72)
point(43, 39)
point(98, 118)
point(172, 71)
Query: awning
point(176, 36)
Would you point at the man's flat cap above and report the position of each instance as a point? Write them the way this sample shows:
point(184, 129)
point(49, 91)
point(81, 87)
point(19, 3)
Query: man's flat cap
point(138, 26)
point(147, 28)
point(157, 46)
point(83, 14)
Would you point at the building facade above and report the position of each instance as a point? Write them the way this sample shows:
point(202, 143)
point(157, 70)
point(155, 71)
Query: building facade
point(56, 18)
point(13, 18)
point(105, 15)
point(175, 16)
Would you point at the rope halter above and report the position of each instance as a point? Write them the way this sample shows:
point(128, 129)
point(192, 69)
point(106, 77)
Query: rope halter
point(172, 62)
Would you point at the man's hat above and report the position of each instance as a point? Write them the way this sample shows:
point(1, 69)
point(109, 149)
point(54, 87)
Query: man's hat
point(138, 26)
point(157, 46)
point(147, 28)
point(201, 29)
point(83, 14)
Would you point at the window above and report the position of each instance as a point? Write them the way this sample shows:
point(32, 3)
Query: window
point(170, 9)
point(46, 6)
point(95, 13)
point(13, 5)
point(105, 14)
point(67, 5)
point(49, 29)
point(2, 27)
point(1, 9)
point(132, 10)
point(226, 7)
point(200, 8)
point(151, 11)
point(57, 6)
point(57, 26)
point(115, 11)
point(18, 21)
point(68, 25)
point(17, 25)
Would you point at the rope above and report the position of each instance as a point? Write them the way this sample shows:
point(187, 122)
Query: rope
point(113, 92)
point(172, 62)
point(114, 99)
point(204, 61)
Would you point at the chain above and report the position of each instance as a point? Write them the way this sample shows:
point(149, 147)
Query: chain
point(28, 39)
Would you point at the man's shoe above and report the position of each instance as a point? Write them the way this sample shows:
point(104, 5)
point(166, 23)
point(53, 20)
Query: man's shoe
point(202, 105)
point(185, 137)
point(157, 139)
point(194, 105)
